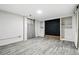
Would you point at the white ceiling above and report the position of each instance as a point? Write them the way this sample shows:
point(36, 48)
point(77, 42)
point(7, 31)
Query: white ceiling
point(49, 10)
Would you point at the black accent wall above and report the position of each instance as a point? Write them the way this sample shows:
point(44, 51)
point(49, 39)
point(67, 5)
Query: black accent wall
point(52, 27)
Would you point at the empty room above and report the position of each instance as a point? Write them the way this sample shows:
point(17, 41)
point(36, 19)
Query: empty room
point(39, 29)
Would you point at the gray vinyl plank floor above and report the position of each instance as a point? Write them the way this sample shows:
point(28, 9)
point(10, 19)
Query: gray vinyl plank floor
point(39, 46)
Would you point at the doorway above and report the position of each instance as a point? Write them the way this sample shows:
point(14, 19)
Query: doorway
point(29, 29)
point(52, 28)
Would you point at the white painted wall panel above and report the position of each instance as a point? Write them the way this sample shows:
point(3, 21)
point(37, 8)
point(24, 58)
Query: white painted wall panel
point(69, 35)
point(25, 28)
point(74, 24)
point(39, 28)
point(11, 28)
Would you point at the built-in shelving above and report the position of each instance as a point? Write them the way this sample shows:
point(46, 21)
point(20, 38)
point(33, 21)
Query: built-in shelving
point(65, 23)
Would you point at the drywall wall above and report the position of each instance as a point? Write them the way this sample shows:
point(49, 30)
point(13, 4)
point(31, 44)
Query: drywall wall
point(75, 31)
point(76, 27)
point(42, 28)
point(25, 28)
point(39, 28)
point(11, 28)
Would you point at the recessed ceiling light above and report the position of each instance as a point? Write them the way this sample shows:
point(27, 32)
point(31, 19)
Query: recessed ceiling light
point(39, 11)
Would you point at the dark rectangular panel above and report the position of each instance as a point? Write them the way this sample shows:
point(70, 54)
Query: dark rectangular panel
point(52, 27)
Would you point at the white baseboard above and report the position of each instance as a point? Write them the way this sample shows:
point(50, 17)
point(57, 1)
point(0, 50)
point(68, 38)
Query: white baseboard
point(9, 41)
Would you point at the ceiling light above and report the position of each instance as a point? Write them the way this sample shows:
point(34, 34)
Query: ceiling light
point(39, 12)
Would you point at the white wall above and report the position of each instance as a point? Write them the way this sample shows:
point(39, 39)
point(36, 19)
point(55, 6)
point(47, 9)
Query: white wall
point(39, 28)
point(75, 34)
point(25, 28)
point(76, 26)
point(42, 28)
point(11, 28)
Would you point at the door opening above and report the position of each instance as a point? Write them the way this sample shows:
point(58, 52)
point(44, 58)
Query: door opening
point(52, 28)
